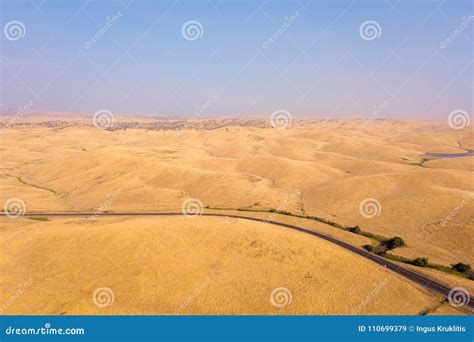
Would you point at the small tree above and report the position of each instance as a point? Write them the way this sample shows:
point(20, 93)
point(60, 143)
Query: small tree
point(460, 267)
point(370, 248)
point(397, 242)
point(355, 230)
point(421, 262)
point(394, 242)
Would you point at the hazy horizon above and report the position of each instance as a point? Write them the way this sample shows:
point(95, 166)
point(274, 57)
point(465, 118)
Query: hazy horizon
point(19, 112)
point(317, 59)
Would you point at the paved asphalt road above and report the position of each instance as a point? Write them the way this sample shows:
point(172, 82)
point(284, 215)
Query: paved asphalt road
point(418, 278)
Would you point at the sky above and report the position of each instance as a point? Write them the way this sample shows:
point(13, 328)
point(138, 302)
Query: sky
point(407, 59)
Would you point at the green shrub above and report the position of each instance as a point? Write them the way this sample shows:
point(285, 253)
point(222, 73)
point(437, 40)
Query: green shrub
point(421, 262)
point(395, 242)
point(36, 218)
point(460, 267)
point(355, 230)
point(370, 248)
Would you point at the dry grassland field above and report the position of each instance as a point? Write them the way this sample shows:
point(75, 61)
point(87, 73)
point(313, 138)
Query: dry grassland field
point(361, 182)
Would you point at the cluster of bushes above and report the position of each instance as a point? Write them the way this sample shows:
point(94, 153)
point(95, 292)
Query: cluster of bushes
point(355, 230)
point(386, 245)
point(314, 218)
point(464, 269)
point(459, 268)
point(420, 262)
point(394, 242)
point(283, 212)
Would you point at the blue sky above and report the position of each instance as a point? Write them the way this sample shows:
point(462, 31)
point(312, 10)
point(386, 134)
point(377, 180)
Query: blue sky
point(317, 65)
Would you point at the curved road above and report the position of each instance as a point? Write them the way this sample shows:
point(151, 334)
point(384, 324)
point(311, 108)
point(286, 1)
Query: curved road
point(418, 278)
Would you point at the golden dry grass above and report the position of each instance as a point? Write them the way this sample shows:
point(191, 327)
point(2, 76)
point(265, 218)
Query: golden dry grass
point(155, 265)
point(318, 167)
